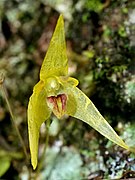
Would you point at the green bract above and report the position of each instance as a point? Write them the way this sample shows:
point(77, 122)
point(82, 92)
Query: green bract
point(57, 93)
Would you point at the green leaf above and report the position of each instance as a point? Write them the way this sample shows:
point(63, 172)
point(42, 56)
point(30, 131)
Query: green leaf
point(56, 62)
point(81, 107)
point(4, 165)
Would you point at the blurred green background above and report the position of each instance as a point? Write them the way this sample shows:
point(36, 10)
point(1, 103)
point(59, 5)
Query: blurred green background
point(100, 36)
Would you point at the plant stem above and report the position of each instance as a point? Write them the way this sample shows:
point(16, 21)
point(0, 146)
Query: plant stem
point(12, 116)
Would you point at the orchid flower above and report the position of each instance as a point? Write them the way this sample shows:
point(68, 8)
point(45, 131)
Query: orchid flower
point(57, 93)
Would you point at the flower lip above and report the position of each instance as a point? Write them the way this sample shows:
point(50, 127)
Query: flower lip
point(57, 104)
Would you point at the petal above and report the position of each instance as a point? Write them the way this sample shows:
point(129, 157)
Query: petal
point(55, 62)
point(81, 107)
point(57, 104)
point(67, 80)
point(38, 112)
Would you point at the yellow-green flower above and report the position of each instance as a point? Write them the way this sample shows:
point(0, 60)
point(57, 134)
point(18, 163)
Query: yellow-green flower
point(57, 93)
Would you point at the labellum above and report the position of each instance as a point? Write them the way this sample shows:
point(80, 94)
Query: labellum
point(57, 104)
